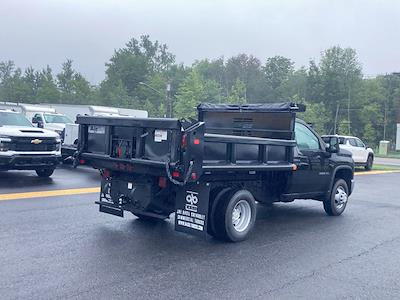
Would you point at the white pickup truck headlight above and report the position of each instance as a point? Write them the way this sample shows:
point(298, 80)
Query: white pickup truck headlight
point(58, 142)
point(4, 143)
point(5, 138)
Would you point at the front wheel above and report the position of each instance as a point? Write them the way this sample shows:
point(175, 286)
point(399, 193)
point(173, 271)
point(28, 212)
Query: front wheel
point(235, 216)
point(44, 172)
point(370, 161)
point(336, 203)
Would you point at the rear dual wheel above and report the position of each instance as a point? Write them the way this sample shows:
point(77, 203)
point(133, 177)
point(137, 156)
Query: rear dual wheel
point(232, 215)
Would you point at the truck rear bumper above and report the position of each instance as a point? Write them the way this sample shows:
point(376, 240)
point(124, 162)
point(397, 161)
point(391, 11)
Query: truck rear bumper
point(28, 162)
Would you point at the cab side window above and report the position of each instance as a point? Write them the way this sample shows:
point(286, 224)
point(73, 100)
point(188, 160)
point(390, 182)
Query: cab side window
point(305, 138)
point(353, 142)
point(360, 144)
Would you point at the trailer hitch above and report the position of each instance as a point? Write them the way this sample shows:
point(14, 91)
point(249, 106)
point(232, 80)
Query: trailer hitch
point(185, 178)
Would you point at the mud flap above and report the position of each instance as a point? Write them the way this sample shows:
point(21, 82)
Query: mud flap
point(192, 208)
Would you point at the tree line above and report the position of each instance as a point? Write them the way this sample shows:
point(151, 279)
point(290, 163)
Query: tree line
point(145, 75)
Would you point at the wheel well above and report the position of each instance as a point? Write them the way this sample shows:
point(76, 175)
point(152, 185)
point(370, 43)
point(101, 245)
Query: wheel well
point(346, 175)
point(371, 154)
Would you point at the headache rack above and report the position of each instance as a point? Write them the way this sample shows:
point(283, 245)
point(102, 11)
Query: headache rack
point(224, 139)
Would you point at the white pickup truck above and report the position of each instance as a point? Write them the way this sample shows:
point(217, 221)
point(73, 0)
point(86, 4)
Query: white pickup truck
point(24, 147)
point(363, 155)
point(46, 117)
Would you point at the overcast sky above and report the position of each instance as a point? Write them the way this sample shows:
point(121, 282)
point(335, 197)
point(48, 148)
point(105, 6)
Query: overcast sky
point(40, 32)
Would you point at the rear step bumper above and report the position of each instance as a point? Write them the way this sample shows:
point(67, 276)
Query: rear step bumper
point(111, 209)
point(116, 210)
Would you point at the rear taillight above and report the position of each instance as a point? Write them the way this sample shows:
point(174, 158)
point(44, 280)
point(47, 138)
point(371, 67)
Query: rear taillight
point(184, 140)
point(106, 173)
point(176, 174)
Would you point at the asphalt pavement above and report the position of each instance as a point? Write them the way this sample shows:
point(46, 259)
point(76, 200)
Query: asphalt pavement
point(62, 247)
point(387, 161)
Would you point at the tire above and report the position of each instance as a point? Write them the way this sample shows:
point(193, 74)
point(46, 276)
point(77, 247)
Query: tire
point(235, 216)
point(215, 197)
point(370, 162)
point(336, 203)
point(44, 173)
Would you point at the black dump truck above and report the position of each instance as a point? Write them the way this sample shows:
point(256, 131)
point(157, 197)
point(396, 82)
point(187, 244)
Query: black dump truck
point(211, 172)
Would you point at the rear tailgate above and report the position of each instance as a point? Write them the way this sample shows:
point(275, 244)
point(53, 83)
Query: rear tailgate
point(130, 144)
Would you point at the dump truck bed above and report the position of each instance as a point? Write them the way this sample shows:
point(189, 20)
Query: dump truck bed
point(226, 138)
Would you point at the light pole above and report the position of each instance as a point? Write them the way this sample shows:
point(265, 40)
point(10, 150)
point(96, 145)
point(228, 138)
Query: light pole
point(168, 103)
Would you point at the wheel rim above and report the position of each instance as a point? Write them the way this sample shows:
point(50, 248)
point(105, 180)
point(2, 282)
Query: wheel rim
point(340, 198)
point(241, 216)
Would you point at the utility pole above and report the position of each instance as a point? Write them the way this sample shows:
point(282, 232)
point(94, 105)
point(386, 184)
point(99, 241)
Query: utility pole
point(348, 112)
point(168, 101)
point(385, 122)
point(336, 117)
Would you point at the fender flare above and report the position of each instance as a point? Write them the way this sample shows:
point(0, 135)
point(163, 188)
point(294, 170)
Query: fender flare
point(334, 175)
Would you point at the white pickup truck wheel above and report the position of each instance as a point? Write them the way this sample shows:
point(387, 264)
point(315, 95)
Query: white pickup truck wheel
point(369, 163)
point(44, 172)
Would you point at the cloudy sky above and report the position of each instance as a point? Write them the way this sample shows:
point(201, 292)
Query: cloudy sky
point(40, 32)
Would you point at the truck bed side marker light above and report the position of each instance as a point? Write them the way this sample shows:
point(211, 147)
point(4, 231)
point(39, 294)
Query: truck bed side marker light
point(162, 182)
point(82, 161)
point(196, 142)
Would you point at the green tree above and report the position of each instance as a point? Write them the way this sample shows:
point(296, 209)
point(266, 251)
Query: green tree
point(278, 70)
point(194, 90)
point(237, 94)
point(335, 80)
point(73, 87)
point(47, 91)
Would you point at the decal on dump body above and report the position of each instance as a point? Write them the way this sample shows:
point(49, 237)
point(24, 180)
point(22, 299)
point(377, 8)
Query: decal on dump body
point(192, 208)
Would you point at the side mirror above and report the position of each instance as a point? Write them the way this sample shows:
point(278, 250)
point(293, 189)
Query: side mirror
point(332, 145)
point(38, 122)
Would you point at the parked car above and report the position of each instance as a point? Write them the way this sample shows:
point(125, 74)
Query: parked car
point(362, 154)
point(24, 147)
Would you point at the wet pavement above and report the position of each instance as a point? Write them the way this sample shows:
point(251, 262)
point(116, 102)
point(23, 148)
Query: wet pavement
point(62, 247)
